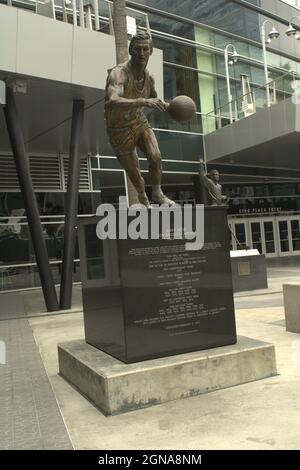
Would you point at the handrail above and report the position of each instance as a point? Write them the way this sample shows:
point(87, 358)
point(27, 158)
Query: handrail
point(242, 98)
point(23, 217)
point(81, 13)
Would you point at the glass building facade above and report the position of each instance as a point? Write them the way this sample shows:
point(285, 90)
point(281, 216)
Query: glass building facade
point(264, 202)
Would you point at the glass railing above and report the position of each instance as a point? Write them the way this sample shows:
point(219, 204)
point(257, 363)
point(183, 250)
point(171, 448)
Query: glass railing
point(164, 121)
point(96, 14)
point(18, 268)
point(25, 4)
point(249, 103)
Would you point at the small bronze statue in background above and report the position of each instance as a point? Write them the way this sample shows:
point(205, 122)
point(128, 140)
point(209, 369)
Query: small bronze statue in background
point(212, 190)
point(129, 89)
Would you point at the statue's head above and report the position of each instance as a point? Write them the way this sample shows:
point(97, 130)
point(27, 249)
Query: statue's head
point(140, 48)
point(214, 176)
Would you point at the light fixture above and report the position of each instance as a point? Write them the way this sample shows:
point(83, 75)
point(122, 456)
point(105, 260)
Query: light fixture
point(230, 58)
point(235, 57)
point(273, 34)
point(292, 31)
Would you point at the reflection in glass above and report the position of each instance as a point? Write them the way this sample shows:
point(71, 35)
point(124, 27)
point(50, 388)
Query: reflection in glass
point(240, 233)
point(16, 246)
point(176, 28)
point(160, 120)
point(94, 253)
point(177, 53)
point(25, 277)
point(178, 81)
point(177, 146)
point(226, 15)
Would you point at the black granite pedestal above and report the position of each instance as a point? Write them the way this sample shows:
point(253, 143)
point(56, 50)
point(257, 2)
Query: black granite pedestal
point(146, 299)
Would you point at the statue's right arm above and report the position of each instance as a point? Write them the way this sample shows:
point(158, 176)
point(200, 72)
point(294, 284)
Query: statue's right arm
point(201, 168)
point(115, 93)
point(204, 180)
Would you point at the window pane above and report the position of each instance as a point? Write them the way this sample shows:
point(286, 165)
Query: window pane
point(256, 236)
point(240, 234)
point(295, 227)
point(269, 237)
point(284, 236)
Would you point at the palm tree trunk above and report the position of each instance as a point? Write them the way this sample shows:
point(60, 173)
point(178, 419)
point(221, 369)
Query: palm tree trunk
point(121, 41)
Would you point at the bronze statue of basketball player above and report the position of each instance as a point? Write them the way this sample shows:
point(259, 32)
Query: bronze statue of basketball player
point(129, 89)
point(211, 187)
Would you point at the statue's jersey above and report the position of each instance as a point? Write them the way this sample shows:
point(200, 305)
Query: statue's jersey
point(115, 116)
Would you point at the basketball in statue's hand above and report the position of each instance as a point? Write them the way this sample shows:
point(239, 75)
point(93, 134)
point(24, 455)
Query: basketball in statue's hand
point(182, 108)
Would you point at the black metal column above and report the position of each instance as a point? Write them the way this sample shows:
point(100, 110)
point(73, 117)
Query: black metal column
point(31, 206)
point(71, 206)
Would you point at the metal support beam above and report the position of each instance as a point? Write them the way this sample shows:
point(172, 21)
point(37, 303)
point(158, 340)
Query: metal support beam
point(30, 202)
point(71, 206)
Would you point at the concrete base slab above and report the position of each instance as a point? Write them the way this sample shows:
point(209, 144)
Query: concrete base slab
point(115, 387)
point(291, 298)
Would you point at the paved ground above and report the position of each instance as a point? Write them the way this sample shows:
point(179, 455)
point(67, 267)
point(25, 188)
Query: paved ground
point(258, 415)
point(29, 303)
point(279, 272)
point(29, 415)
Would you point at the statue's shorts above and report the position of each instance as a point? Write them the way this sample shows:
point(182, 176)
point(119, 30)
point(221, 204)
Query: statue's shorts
point(125, 139)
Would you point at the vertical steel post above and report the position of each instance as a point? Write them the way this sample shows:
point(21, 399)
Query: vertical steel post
point(71, 206)
point(74, 9)
point(96, 13)
point(30, 202)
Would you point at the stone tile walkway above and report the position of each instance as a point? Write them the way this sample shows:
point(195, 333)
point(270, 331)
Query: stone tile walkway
point(29, 415)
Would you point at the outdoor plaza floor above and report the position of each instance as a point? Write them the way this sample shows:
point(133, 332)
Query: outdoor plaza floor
point(40, 410)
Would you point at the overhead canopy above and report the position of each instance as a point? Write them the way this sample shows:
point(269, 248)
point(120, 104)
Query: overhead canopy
point(268, 138)
point(45, 112)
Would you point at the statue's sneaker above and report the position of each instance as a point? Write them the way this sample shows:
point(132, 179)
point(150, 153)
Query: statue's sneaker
point(143, 199)
point(162, 199)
